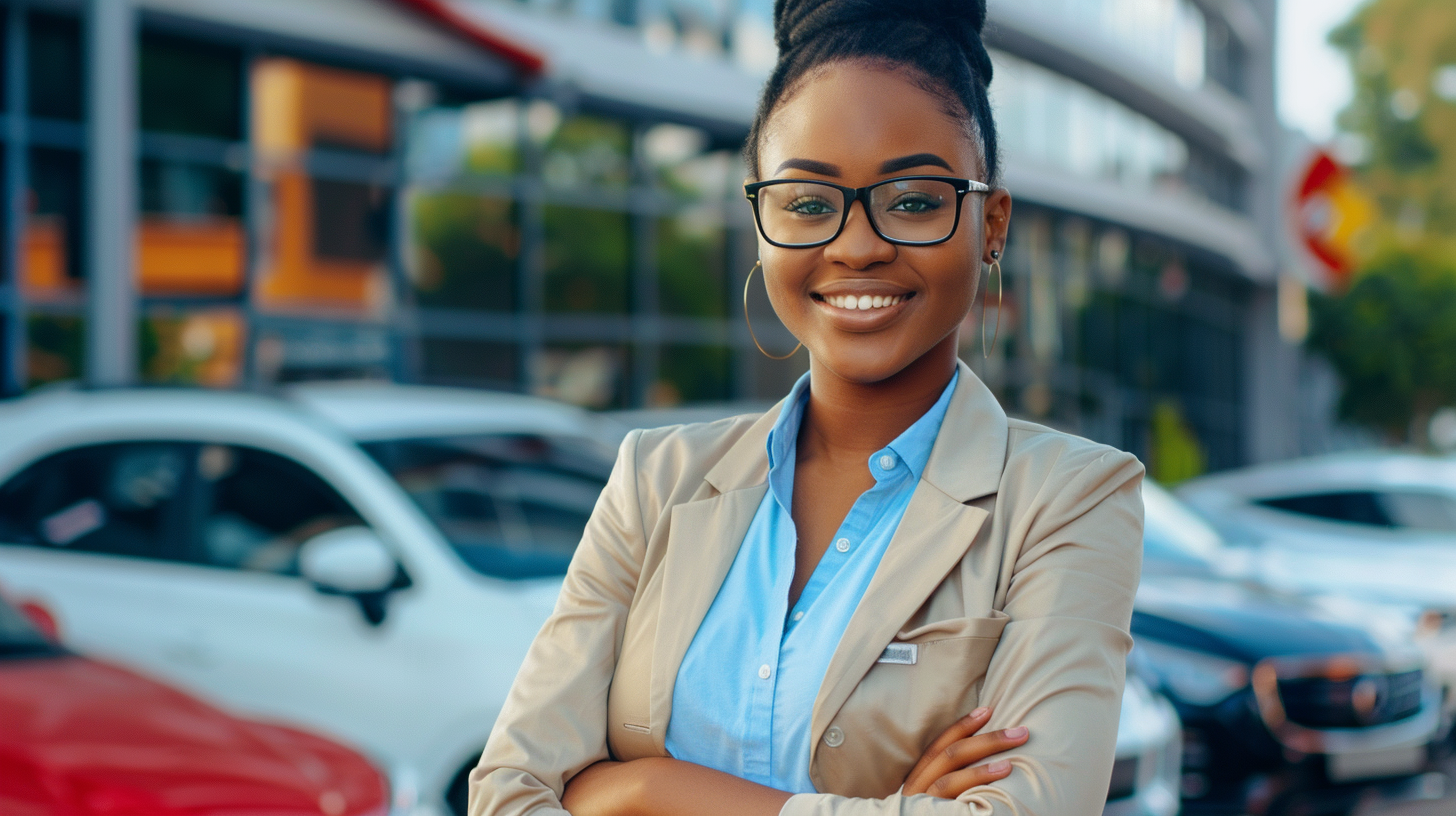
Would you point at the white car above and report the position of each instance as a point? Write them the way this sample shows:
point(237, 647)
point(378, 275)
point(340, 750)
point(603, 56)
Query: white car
point(1371, 527)
point(370, 560)
point(259, 552)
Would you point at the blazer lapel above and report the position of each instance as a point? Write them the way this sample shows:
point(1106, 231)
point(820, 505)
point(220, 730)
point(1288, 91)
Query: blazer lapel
point(703, 539)
point(938, 527)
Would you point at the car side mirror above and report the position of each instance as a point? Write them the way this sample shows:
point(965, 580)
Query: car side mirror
point(351, 561)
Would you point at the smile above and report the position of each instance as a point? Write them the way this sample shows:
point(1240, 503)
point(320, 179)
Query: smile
point(865, 302)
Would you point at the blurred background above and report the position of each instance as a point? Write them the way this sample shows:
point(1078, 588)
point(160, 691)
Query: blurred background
point(412, 267)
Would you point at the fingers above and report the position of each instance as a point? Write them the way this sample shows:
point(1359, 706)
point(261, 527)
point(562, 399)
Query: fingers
point(958, 730)
point(957, 782)
point(966, 752)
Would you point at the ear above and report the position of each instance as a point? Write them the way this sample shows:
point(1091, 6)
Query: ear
point(997, 215)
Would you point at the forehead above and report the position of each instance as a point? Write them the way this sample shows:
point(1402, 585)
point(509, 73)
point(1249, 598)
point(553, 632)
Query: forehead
point(856, 116)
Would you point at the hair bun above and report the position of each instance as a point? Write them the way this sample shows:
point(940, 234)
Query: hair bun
point(797, 22)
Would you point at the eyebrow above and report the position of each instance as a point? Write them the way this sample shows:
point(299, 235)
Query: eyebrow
point(916, 160)
point(809, 166)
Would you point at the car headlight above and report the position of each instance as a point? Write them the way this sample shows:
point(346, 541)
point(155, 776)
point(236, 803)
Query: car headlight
point(1193, 677)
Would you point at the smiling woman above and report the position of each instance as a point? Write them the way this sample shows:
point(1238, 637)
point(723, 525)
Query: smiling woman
point(848, 604)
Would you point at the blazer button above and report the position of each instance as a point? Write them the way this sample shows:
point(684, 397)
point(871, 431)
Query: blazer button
point(833, 737)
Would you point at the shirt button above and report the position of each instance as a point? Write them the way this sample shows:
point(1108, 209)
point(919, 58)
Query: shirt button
point(887, 462)
point(842, 545)
point(833, 737)
point(764, 671)
point(798, 616)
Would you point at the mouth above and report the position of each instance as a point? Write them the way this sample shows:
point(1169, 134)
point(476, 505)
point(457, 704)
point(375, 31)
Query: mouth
point(863, 308)
point(862, 303)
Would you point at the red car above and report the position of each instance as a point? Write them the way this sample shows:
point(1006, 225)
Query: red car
point(85, 738)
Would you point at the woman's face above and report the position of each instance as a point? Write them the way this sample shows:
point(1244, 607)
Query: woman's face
point(855, 124)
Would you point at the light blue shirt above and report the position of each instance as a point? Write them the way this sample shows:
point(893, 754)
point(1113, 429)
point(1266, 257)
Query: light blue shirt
point(745, 690)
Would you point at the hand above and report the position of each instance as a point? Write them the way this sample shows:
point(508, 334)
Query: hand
point(948, 767)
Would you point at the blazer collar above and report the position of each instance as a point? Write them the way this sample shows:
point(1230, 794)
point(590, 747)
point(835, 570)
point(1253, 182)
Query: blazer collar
point(965, 462)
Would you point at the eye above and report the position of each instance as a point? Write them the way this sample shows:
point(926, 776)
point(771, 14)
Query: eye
point(915, 204)
point(810, 205)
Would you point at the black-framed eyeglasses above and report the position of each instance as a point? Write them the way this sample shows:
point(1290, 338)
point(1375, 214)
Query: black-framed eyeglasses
point(909, 210)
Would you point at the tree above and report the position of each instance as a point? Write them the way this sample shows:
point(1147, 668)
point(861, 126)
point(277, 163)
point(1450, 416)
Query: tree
point(1392, 334)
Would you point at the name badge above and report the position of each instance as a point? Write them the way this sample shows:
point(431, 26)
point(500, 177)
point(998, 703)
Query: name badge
point(901, 653)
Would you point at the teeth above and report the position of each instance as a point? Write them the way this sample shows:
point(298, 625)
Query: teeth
point(853, 303)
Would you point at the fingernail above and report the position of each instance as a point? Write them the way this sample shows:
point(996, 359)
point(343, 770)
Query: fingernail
point(979, 713)
point(1015, 733)
point(998, 767)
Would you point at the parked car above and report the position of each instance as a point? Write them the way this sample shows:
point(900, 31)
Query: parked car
point(84, 737)
point(372, 560)
point(1148, 766)
point(1286, 707)
point(368, 561)
point(1374, 527)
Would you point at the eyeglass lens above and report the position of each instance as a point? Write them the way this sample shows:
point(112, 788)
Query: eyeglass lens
point(913, 210)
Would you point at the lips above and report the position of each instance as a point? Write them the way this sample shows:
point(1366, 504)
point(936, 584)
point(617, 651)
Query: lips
point(862, 305)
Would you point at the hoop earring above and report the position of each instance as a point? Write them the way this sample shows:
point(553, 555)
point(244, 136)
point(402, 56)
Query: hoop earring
point(1000, 291)
point(756, 266)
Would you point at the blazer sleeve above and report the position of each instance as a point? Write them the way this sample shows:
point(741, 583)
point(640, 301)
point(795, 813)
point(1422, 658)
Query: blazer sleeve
point(553, 723)
point(1059, 666)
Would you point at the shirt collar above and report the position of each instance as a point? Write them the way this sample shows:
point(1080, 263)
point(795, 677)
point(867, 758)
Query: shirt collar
point(912, 446)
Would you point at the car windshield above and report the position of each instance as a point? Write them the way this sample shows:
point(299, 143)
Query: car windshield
point(1173, 536)
point(512, 505)
point(17, 635)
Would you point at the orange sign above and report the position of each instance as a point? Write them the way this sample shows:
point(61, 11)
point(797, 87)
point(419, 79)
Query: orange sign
point(1330, 211)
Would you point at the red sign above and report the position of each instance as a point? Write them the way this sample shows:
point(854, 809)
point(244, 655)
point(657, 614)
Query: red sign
point(1329, 213)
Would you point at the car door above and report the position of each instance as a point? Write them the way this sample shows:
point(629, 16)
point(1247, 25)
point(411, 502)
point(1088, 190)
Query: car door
point(96, 534)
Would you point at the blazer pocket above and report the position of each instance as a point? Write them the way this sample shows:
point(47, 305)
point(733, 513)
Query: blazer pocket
point(950, 628)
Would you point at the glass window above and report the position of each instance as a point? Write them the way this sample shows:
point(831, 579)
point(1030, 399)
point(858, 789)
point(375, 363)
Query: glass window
point(193, 348)
point(350, 221)
point(466, 249)
point(54, 67)
point(692, 272)
point(693, 374)
point(590, 376)
point(587, 260)
point(115, 499)
point(190, 87)
point(55, 348)
point(589, 151)
point(479, 139)
point(455, 361)
point(190, 237)
point(260, 507)
point(1410, 509)
point(512, 506)
point(53, 229)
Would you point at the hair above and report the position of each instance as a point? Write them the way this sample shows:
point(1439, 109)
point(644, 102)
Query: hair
point(938, 41)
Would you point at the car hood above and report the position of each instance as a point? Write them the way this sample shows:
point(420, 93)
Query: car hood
point(83, 737)
point(1240, 621)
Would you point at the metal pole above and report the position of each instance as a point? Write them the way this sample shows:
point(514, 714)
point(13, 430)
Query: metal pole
point(111, 122)
point(15, 186)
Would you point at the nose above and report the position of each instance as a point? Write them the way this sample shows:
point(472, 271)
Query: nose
point(858, 245)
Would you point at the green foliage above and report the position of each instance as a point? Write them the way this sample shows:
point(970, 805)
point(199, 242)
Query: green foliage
point(1392, 337)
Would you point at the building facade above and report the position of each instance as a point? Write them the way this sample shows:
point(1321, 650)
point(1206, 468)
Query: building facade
point(546, 196)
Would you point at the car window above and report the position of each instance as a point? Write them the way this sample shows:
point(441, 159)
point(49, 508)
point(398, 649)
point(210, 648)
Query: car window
point(513, 506)
point(1409, 509)
point(117, 499)
point(259, 507)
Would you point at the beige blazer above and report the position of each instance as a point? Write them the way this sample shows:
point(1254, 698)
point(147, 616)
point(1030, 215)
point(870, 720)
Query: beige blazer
point(1013, 571)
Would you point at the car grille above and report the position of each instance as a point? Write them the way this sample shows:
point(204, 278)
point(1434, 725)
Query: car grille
point(1356, 702)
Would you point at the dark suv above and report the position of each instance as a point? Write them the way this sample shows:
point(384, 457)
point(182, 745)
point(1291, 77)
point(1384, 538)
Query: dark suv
point(1285, 709)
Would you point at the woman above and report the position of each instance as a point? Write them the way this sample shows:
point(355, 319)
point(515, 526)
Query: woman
point(849, 603)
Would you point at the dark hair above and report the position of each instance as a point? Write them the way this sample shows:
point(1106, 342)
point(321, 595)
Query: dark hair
point(938, 40)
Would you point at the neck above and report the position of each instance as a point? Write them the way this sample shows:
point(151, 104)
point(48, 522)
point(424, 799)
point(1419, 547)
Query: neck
point(848, 420)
